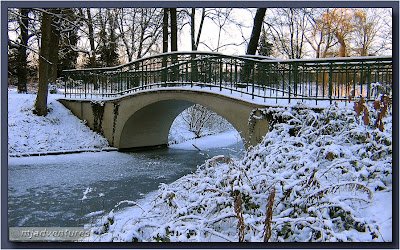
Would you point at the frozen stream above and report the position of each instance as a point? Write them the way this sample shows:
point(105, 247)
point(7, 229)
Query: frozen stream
point(48, 190)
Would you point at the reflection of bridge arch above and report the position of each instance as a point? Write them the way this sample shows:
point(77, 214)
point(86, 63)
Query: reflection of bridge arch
point(143, 119)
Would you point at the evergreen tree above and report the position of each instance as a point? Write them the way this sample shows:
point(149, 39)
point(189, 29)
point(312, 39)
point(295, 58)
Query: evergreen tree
point(265, 47)
point(69, 38)
point(108, 49)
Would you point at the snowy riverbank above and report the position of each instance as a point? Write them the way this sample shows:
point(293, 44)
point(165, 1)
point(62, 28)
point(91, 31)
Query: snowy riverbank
point(61, 132)
point(314, 177)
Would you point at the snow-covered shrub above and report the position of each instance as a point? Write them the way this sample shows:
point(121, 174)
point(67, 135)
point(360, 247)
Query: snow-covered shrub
point(312, 178)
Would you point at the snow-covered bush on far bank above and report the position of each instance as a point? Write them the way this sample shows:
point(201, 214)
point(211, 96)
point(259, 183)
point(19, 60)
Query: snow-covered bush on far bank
point(314, 177)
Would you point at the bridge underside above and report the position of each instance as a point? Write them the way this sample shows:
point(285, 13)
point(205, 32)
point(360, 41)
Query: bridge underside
point(150, 125)
point(144, 119)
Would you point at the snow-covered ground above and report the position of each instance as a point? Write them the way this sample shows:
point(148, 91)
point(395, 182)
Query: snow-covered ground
point(220, 140)
point(59, 131)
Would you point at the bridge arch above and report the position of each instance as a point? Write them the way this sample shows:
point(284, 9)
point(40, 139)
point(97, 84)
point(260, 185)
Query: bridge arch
point(143, 119)
point(150, 125)
point(148, 117)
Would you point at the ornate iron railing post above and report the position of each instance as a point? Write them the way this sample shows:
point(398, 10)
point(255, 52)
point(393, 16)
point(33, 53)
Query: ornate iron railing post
point(220, 74)
point(368, 81)
point(330, 82)
point(253, 80)
point(295, 76)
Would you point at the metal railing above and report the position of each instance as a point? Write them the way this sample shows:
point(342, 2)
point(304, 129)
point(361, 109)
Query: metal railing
point(259, 77)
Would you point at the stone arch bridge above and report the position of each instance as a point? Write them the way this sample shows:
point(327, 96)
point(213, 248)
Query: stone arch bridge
point(133, 105)
point(144, 119)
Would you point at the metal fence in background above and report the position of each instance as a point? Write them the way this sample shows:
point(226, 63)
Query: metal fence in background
point(303, 79)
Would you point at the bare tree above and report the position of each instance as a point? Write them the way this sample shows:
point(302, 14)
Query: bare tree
point(48, 40)
point(54, 45)
point(201, 119)
point(92, 50)
point(221, 18)
point(341, 21)
point(386, 31)
point(320, 32)
point(22, 71)
point(196, 39)
point(286, 29)
point(151, 30)
point(367, 24)
point(196, 117)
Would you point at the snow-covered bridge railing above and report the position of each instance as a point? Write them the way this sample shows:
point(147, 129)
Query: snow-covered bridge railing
point(257, 76)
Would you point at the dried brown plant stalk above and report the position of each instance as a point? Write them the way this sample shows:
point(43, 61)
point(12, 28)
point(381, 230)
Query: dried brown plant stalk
point(380, 106)
point(239, 215)
point(268, 216)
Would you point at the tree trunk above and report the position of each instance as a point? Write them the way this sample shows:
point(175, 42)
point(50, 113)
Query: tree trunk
point(165, 43)
point(194, 71)
point(203, 15)
point(192, 28)
point(44, 55)
point(255, 34)
point(92, 55)
point(174, 30)
point(22, 66)
point(47, 41)
point(342, 48)
point(174, 43)
point(253, 44)
point(165, 31)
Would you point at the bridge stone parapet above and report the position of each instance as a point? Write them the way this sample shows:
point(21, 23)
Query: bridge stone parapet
point(143, 119)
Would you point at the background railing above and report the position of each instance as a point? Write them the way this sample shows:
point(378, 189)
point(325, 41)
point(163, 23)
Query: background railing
point(256, 76)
